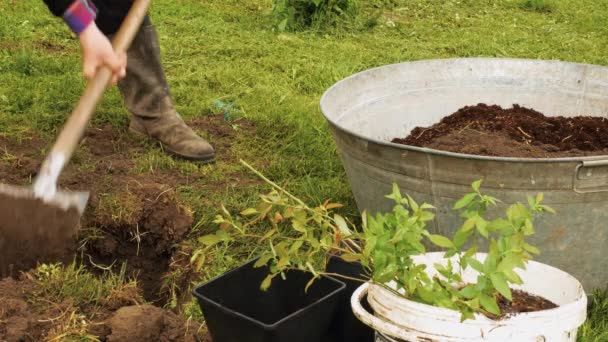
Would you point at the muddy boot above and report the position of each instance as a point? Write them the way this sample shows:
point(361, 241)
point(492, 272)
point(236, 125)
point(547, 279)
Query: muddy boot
point(147, 97)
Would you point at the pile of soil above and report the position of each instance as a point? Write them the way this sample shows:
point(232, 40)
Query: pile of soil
point(514, 132)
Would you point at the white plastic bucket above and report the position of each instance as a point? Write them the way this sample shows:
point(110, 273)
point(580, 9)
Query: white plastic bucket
point(399, 318)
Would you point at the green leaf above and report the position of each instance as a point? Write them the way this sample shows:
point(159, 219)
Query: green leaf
point(295, 247)
point(489, 265)
point(510, 262)
point(461, 237)
point(547, 209)
point(500, 283)
point(342, 226)
point(223, 236)
point(396, 194)
point(528, 227)
point(267, 282)
point(477, 266)
point(299, 226)
point(469, 223)
point(531, 202)
point(263, 260)
point(249, 212)
point(268, 234)
point(481, 225)
point(441, 241)
point(540, 197)
point(466, 315)
point(499, 224)
point(482, 283)
point(476, 185)
point(468, 292)
point(385, 275)
point(470, 252)
point(464, 201)
point(412, 203)
point(531, 249)
point(349, 257)
point(426, 295)
point(489, 304)
point(426, 206)
point(426, 216)
point(209, 240)
point(450, 253)
point(513, 277)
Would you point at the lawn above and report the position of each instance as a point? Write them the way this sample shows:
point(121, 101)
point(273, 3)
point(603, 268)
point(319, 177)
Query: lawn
point(254, 93)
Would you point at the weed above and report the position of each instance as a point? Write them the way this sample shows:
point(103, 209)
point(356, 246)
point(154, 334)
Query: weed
point(542, 6)
point(58, 283)
point(596, 327)
point(293, 15)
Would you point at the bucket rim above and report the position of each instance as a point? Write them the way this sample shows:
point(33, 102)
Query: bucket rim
point(429, 151)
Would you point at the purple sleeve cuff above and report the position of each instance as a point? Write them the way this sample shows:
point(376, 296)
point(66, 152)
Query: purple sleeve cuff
point(79, 15)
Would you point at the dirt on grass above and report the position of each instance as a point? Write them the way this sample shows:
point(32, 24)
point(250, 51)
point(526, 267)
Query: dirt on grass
point(27, 317)
point(513, 132)
point(135, 217)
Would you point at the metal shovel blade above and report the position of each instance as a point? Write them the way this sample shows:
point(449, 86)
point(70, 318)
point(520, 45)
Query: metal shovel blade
point(33, 230)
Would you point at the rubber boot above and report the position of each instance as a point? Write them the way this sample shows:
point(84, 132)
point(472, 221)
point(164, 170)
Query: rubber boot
point(147, 97)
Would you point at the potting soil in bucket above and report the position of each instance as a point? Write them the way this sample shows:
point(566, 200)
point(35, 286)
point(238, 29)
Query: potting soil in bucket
point(368, 110)
point(397, 318)
point(237, 310)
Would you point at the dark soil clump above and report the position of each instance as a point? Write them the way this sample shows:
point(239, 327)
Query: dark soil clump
point(523, 302)
point(514, 132)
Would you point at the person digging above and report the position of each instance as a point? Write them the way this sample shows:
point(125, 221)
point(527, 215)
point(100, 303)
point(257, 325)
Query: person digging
point(140, 75)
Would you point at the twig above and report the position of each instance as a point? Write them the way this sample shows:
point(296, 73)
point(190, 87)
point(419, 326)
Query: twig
point(424, 131)
point(344, 277)
point(107, 268)
point(273, 184)
point(566, 138)
point(524, 133)
point(467, 126)
point(162, 193)
point(53, 319)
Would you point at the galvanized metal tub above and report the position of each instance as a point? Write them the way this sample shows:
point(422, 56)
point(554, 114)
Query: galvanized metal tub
point(367, 110)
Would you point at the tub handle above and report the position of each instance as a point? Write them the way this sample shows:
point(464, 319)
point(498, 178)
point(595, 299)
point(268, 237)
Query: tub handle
point(591, 176)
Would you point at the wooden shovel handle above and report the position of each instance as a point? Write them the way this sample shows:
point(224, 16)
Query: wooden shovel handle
point(74, 128)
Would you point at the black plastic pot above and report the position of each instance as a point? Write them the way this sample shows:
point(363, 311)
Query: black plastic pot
point(236, 310)
point(346, 327)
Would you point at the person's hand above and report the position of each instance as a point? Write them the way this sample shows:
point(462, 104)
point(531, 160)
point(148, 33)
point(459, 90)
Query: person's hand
point(97, 52)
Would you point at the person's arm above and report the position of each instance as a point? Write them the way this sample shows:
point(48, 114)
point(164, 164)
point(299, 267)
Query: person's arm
point(97, 50)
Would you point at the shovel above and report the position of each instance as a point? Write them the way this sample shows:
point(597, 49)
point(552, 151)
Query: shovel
point(38, 224)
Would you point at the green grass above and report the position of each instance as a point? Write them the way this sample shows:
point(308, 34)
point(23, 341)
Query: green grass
point(228, 51)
